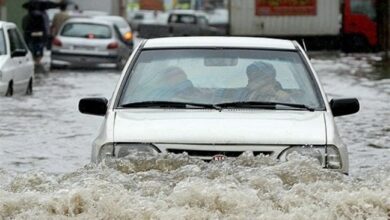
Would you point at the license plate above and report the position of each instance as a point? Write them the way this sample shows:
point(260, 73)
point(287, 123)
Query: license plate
point(84, 48)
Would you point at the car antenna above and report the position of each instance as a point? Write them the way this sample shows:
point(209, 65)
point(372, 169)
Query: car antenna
point(304, 45)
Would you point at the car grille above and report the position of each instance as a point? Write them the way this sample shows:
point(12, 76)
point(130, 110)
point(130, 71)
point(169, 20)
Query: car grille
point(209, 154)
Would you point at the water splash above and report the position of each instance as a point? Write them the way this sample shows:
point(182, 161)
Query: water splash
point(177, 187)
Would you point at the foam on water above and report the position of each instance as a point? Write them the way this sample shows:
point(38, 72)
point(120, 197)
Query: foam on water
point(176, 187)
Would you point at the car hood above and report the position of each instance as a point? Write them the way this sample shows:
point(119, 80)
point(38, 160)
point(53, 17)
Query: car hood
point(214, 127)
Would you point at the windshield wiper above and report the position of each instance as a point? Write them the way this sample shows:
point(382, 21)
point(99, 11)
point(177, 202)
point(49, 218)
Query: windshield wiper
point(168, 104)
point(266, 105)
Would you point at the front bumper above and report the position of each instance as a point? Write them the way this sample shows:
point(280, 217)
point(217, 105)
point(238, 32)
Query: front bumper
point(210, 152)
point(82, 60)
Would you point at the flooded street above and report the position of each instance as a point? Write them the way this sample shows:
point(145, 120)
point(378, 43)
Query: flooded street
point(45, 146)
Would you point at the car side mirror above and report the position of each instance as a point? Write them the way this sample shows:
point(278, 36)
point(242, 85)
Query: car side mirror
point(342, 107)
point(19, 53)
point(93, 106)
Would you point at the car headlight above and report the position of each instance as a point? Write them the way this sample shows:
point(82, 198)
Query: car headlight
point(124, 149)
point(106, 150)
point(119, 150)
point(327, 156)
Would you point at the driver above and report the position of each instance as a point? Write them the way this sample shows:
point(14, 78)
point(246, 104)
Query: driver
point(262, 84)
point(177, 85)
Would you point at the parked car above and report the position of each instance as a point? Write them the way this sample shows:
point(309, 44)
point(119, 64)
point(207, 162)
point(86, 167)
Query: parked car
point(180, 23)
point(123, 26)
point(88, 42)
point(16, 62)
point(217, 97)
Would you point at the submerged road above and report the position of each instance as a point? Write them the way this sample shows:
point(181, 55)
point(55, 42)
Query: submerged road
point(45, 146)
point(47, 132)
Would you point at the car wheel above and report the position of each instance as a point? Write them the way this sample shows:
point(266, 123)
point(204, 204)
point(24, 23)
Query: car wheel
point(29, 90)
point(10, 89)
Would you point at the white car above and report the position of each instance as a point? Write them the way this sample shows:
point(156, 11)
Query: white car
point(88, 42)
point(217, 97)
point(16, 62)
point(122, 25)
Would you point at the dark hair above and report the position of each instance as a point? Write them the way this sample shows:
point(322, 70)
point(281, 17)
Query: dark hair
point(63, 6)
point(260, 69)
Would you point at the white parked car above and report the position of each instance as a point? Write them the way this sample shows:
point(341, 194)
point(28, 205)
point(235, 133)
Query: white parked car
point(88, 42)
point(217, 97)
point(16, 62)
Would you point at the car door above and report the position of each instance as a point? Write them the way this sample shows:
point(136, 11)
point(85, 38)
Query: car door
point(7, 68)
point(124, 50)
point(21, 72)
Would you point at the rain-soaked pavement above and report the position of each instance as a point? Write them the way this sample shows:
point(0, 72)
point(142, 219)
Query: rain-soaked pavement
point(45, 148)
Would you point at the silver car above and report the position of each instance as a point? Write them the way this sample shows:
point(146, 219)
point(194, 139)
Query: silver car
point(122, 25)
point(217, 97)
point(88, 42)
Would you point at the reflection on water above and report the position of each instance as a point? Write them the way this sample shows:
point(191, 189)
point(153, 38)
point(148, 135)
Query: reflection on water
point(369, 66)
point(382, 69)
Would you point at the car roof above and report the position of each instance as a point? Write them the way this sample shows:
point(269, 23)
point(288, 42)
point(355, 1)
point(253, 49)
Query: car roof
point(6, 24)
point(187, 12)
point(113, 18)
point(88, 20)
point(228, 42)
point(110, 17)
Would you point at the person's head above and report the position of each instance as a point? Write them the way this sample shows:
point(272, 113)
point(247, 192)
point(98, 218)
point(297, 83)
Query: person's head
point(260, 72)
point(63, 6)
point(174, 75)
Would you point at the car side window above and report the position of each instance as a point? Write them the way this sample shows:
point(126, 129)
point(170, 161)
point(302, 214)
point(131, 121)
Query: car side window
point(202, 21)
point(15, 40)
point(3, 48)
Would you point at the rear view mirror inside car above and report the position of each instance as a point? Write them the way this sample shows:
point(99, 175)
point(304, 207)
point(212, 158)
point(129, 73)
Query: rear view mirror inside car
point(220, 61)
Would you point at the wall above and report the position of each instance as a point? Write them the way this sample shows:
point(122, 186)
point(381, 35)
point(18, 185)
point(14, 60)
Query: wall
point(108, 6)
point(12, 11)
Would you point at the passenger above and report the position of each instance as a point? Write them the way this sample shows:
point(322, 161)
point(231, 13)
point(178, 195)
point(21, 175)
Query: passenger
point(35, 31)
point(59, 19)
point(262, 84)
point(177, 85)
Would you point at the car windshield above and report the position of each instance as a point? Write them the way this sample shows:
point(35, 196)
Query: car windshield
point(118, 21)
point(86, 30)
point(3, 49)
point(217, 76)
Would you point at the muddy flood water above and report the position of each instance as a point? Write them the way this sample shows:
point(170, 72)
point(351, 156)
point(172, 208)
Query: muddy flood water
point(45, 146)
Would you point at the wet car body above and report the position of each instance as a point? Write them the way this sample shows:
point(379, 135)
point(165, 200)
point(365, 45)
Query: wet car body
point(220, 128)
point(87, 42)
point(16, 62)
